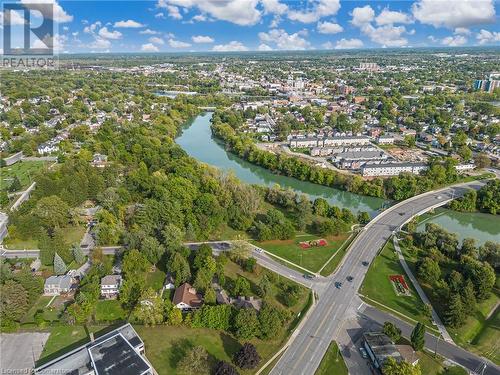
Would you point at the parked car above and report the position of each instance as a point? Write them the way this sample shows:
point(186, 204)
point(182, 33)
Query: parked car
point(365, 263)
point(363, 352)
point(308, 276)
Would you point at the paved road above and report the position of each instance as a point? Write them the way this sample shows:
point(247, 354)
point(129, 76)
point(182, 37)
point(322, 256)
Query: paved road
point(445, 349)
point(304, 355)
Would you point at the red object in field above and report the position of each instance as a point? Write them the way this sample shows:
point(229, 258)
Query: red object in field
point(322, 242)
point(399, 279)
point(305, 245)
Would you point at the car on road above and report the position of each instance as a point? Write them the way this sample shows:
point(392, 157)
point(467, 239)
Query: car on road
point(259, 250)
point(338, 285)
point(401, 214)
point(363, 352)
point(308, 276)
point(365, 263)
point(349, 278)
point(439, 197)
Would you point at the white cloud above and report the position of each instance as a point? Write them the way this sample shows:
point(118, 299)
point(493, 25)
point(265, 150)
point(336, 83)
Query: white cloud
point(485, 36)
point(89, 29)
point(285, 41)
point(462, 31)
point(57, 43)
point(329, 28)
point(100, 43)
point(128, 24)
point(386, 35)
point(320, 9)
point(107, 34)
point(454, 41)
point(240, 12)
point(160, 15)
point(199, 18)
point(156, 40)
point(264, 47)
point(390, 17)
point(49, 8)
point(230, 47)
point(462, 13)
point(148, 32)
point(327, 45)
point(149, 47)
point(202, 39)
point(348, 43)
point(16, 18)
point(274, 7)
point(178, 44)
point(174, 12)
point(362, 15)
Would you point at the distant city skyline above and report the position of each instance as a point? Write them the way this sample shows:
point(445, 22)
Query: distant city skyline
point(265, 25)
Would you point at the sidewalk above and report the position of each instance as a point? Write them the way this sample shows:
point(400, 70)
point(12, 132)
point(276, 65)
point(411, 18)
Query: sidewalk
point(420, 291)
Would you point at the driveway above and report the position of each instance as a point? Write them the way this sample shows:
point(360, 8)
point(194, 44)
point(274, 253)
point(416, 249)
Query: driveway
point(20, 351)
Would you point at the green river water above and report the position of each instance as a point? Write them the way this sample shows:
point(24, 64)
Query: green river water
point(197, 140)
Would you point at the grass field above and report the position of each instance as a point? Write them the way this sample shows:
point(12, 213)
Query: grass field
point(332, 265)
point(312, 259)
point(378, 287)
point(155, 280)
point(109, 310)
point(332, 362)
point(71, 235)
point(24, 170)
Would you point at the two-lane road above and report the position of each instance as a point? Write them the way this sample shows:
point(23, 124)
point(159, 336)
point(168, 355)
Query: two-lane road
point(304, 354)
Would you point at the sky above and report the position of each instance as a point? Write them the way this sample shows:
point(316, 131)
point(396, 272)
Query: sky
point(265, 25)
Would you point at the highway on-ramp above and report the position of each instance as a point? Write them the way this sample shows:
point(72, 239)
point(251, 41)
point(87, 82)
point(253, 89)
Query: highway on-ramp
point(305, 352)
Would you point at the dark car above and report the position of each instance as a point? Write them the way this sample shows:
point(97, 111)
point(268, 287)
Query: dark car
point(338, 285)
point(365, 263)
point(349, 278)
point(308, 276)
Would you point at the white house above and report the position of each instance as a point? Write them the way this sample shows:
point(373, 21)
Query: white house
point(56, 285)
point(110, 286)
point(392, 169)
point(169, 282)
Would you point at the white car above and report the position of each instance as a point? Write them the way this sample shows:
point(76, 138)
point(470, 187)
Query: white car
point(363, 352)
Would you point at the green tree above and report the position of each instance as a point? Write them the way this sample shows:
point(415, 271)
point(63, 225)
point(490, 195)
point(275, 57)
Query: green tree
point(247, 357)
point(13, 301)
point(270, 322)
point(15, 185)
point(60, 267)
point(52, 211)
point(392, 367)
point(241, 287)
point(134, 265)
point(194, 362)
point(246, 324)
point(174, 317)
point(179, 267)
point(428, 271)
point(149, 310)
point(392, 331)
point(417, 337)
point(455, 314)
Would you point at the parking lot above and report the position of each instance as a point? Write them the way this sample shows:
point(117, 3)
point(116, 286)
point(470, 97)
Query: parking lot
point(20, 351)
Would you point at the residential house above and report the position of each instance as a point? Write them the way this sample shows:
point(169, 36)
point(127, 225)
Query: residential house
point(246, 303)
point(56, 285)
point(186, 298)
point(110, 286)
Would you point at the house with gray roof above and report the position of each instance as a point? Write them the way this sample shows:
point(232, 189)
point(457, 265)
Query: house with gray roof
point(56, 285)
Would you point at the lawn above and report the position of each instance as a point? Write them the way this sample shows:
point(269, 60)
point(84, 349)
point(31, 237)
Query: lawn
point(312, 259)
point(40, 304)
point(155, 280)
point(109, 310)
point(332, 265)
point(72, 235)
point(24, 170)
point(332, 362)
point(378, 287)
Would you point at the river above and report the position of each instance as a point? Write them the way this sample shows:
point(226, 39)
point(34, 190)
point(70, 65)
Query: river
point(197, 140)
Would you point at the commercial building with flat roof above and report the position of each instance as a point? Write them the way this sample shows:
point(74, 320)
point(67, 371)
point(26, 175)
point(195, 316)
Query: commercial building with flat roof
point(119, 352)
